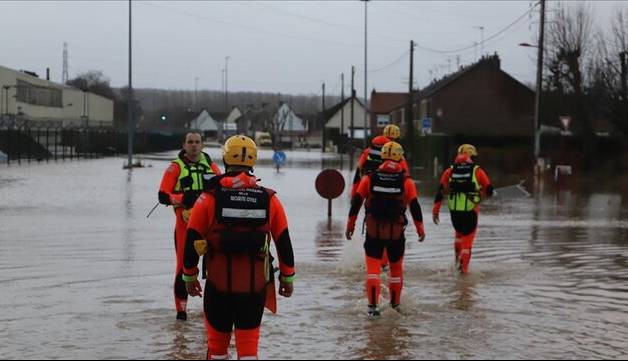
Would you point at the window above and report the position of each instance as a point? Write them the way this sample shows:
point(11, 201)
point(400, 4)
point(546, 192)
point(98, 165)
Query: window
point(39, 95)
point(383, 120)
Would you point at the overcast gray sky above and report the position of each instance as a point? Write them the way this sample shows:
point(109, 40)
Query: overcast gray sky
point(276, 46)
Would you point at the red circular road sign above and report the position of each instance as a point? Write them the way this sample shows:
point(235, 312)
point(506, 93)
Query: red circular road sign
point(330, 184)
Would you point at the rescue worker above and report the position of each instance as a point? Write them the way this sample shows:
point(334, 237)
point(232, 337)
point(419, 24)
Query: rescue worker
point(232, 224)
point(388, 192)
point(465, 184)
point(370, 159)
point(181, 184)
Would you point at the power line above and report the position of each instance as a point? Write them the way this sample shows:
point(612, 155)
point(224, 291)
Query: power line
point(315, 20)
point(498, 33)
point(254, 29)
point(395, 62)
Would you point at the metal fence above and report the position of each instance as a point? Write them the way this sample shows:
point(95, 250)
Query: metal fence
point(27, 141)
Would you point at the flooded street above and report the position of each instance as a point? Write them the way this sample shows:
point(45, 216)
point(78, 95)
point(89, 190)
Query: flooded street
point(84, 274)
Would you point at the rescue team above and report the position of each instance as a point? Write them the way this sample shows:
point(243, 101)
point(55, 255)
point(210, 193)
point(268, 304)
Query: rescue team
point(230, 220)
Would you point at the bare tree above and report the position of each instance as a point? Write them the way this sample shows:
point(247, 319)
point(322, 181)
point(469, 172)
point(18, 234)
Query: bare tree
point(570, 61)
point(609, 88)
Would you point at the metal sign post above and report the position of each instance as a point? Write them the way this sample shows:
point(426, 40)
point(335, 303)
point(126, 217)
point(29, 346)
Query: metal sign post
point(330, 184)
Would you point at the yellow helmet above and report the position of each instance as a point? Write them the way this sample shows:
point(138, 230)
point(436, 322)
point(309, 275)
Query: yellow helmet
point(240, 150)
point(392, 151)
point(468, 149)
point(392, 132)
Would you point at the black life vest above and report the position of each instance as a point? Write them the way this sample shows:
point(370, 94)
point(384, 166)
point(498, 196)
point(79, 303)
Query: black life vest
point(239, 257)
point(386, 200)
point(373, 161)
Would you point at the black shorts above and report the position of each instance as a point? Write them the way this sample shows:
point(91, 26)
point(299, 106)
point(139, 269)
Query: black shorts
point(464, 222)
point(226, 310)
point(375, 248)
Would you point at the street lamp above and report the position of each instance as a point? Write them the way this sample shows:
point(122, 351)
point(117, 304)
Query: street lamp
point(366, 103)
point(195, 93)
point(130, 107)
point(537, 100)
point(227, 82)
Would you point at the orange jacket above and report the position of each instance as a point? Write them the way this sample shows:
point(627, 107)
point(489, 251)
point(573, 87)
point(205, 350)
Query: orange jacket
point(410, 196)
point(483, 180)
point(358, 172)
point(203, 220)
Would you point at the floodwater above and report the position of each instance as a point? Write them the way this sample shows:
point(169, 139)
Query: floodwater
point(84, 274)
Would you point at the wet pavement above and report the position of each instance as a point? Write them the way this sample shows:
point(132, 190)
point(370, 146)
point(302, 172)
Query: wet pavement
point(84, 273)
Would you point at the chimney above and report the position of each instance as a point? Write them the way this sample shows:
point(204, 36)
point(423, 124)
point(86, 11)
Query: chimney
point(48, 74)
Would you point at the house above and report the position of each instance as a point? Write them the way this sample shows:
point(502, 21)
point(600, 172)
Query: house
point(205, 124)
point(230, 123)
point(255, 119)
point(479, 100)
point(338, 119)
point(286, 121)
point(388, 108)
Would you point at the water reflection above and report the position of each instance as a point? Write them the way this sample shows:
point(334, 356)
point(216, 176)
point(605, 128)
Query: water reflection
point(128, 233)
point(387, 339)
point(329, 238)
point(464, 292)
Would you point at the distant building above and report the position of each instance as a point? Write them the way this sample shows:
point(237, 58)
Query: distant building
point(205, 124)
point(25, 95)
point(388, 108)
point(334, 119)
point(286, 121)
point(480, 100)
point(230, 123)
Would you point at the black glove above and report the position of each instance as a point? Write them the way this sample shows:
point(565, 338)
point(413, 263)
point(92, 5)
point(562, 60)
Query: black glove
point(189, 198)
point(164, 198)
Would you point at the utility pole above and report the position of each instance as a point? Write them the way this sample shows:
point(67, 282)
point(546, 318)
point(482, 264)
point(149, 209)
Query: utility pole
point(224, 100)
point(342, 105)
point(539, 88)
point(227, 82)
point(409, 113)
point(195, 94)
point(624, 87)
point(366, 103)
point(130, 107)
point(323, 117)
point(352, 102)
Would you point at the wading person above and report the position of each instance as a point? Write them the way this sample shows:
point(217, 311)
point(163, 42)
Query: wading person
point(464, 184)
point(232, 225)
point(370, 159)
point(181, 185)
point(388, 192)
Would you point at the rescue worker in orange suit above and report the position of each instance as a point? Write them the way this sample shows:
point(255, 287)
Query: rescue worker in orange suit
point(464, 184)
point(370, 159)
point(181, 184)
point(232, 224)
point(388, 192)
